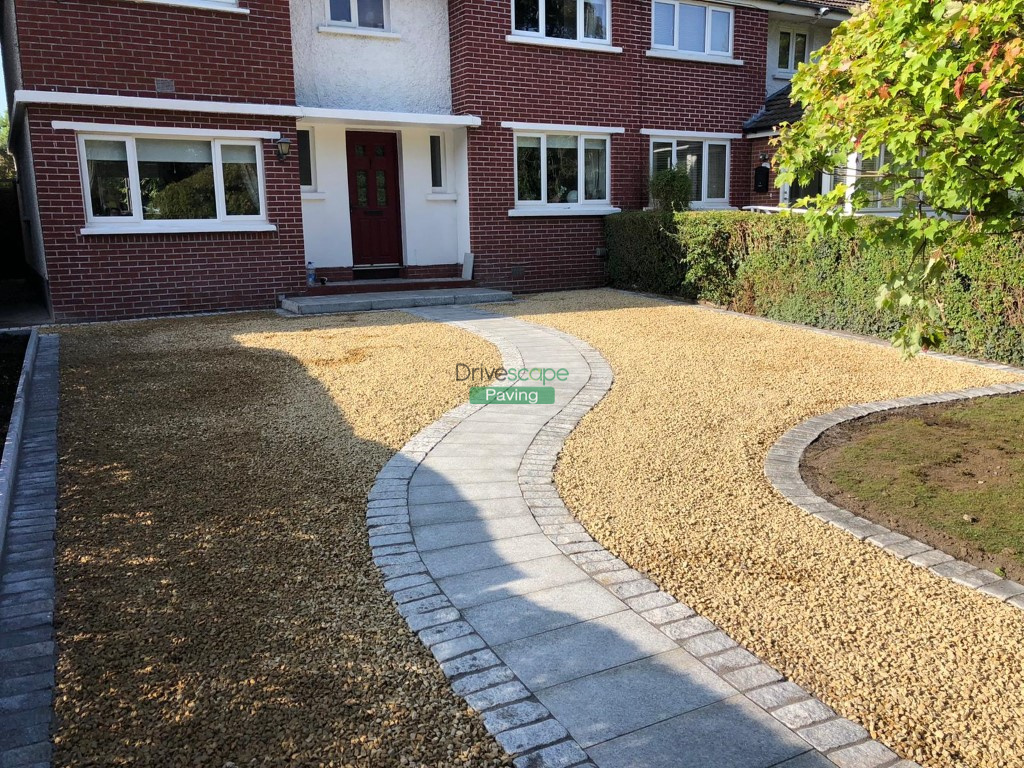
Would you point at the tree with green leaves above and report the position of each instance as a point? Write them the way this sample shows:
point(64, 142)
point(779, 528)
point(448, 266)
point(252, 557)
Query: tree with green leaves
point(6, 159)
point(939, 84)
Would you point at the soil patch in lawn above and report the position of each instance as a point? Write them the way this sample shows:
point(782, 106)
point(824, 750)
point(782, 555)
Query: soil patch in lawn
point(217, 601)
point(949, 475)
point(12, 355)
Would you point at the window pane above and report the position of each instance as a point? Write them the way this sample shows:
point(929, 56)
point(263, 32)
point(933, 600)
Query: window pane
point(341, 10)
point(799, 49)
point(595, 19)
point(107, 166)
point(436, 175)
point(382, 189)
point(527, 15)
point(241, 180)
point(305, 160)
point(176, 178)
point(720, 23)
point(716, 171)
point(664, 23)
point(362, 200)
point(563, 169)
point(595, 169)
point(371, 13)
point(784, 42)
point(691, 155)
point(560, 19)
point(692, 20)
point(662, 159)
point(528, 168)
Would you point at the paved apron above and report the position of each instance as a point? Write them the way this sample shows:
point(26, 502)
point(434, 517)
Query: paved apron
point(572, 657)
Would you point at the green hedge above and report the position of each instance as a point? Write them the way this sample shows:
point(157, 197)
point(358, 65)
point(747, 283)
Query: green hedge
point(764, 265)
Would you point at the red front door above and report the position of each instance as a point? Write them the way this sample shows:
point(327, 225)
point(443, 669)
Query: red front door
point(373, 199)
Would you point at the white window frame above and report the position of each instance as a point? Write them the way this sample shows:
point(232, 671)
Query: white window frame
point(135, 221)
point(877, 207)
point(581, 138)
point(442, 160)
point(354, 13)
point(542, 23)
point(708, 8)
point(312, 159)
point(793, 32)
point(706, 141)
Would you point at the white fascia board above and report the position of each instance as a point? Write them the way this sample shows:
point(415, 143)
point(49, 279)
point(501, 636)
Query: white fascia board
point(148, 130)
point(689, 134)
point(369, 117)
point(796, 9)
point(761, 134)
point(549, 127)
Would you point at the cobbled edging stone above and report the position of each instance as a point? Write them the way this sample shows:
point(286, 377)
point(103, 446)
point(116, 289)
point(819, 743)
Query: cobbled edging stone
point(15, 428)
point(782, 468)
point(520, 723)
point(27, 581)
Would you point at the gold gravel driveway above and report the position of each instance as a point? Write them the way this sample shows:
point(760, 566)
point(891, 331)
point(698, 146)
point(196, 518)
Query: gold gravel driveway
point(216, 598)
point(666, 472)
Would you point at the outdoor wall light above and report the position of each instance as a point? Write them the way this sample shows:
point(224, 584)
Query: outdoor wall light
point(284, 148)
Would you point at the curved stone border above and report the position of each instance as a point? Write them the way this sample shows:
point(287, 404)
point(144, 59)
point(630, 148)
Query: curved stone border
point(782, 467)
point(511, 712)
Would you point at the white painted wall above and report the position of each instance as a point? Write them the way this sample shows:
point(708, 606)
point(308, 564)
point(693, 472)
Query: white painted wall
point(818, 30)
point(435, 227)
point(410, 73)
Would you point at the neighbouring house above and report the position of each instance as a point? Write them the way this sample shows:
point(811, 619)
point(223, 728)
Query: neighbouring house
point(190, 155)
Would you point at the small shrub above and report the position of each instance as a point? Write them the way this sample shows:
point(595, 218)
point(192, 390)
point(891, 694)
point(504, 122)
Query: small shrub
point(671, 189)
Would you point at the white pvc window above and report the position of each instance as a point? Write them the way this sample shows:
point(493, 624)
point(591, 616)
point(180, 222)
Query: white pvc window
point(869, 180)
point(794, 48)
point(562, 170)
point(130, 180)
point(367, 14)
point(706, 163)
point(307, 159)
point(582, 20)
point(692, 27)
point(437, 163)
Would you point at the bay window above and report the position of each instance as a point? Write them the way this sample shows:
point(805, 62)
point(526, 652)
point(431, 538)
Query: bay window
point(561, 170)
point(172, 182)
point(580, 20)
point(692, 28)
point(706, 163)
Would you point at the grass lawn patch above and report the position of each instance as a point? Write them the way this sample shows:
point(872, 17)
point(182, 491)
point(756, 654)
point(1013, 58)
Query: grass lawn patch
point(217, 601)
point(951, 475)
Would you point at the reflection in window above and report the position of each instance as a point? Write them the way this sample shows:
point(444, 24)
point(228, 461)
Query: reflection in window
point(563, 19)
point(706, 163)
point(528, 168)
point(563, 169)
point(241, 180)
point(107, 163)
point(553, 169)
point(595, 164)
point(362, 13)
point(176, 179)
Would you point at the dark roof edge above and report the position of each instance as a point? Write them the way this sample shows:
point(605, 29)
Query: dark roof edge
point(832, 8)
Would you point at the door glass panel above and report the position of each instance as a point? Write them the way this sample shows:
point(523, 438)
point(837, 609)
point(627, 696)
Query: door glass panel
point(378, 150)
point(382, 189)
point(691, 155)
point(720, 23)
point(716, 171)
point(563, 169)
point(595, 19)
point(527, 15)
point(108, 178)
point(664, 23)
point(692, 20)
point(176, 178)
point(528, 168)
point(371, 13)
point(560, 19)
point(341, 10)
point(784, 43)
point(241, 180)
point(362, 196)
point(360, 150)
point(595, 169)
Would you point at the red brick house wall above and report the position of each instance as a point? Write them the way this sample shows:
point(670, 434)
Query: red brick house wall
point(105, 277)
point(121, 47)
point(757, 148)
point(501, 81)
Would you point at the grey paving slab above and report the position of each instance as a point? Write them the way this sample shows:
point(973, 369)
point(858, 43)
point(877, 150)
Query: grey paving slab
point(646, 692)
point(429, 537)
point(582, 649)
point(501, 582)
point(458, 511)
point(478, 557)
point(521, 616)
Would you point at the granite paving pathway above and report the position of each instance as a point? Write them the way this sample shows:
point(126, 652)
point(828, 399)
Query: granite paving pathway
point(572, 657)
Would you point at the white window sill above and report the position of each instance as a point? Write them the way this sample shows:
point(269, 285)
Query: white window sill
point(206, 5)
point(723, 206)
point(449, 197)
point(555, 42)
point(345, 31)
point(703, 58)
point(313, 196)
point(551, 210)
point(177, 228)
point(783, 76)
